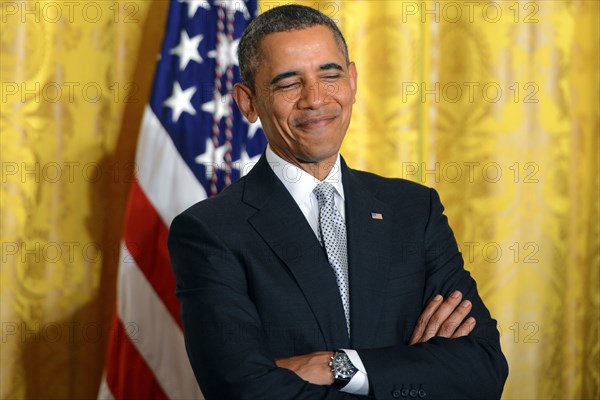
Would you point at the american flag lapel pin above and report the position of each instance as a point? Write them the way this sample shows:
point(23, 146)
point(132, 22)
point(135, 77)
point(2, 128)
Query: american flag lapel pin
point(376, 215)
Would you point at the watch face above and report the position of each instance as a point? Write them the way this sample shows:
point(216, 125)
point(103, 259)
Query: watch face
point(342, 366)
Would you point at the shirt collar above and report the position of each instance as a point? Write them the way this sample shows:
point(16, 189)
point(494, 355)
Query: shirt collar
point(300, 183)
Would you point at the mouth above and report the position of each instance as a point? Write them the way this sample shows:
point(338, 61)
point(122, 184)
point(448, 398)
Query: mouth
point(316, 122)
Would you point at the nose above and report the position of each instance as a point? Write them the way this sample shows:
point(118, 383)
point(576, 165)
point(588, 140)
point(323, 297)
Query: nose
point(312, 95)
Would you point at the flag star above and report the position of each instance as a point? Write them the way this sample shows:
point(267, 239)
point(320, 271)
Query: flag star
point(226, 53)
point(187, 49)
point(194, 5)
point(253, 127)
point(245, 163)
point(233, 6)
point(180, 101)
point(219, 106)
point(210, 156)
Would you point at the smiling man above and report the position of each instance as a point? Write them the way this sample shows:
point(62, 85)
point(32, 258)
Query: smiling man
point(309, 280)
point(303, 91)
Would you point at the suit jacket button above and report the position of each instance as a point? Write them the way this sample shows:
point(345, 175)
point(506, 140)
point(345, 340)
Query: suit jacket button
point(413, 393)
point(404, 392)
point(396, 393)
point(422, 393)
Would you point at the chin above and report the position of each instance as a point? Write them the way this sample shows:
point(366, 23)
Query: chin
point(317, 157)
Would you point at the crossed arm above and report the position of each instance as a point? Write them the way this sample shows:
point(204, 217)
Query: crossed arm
point(440, 318)
point(229, 351)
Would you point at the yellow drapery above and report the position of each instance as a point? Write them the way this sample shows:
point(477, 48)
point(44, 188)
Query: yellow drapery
point(493, 103)
point(75, 79)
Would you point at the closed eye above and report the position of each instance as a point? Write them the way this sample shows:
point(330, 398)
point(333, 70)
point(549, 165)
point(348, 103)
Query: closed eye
point(288, 86)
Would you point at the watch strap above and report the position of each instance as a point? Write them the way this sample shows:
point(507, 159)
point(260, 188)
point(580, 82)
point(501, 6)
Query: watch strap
point(339, 384)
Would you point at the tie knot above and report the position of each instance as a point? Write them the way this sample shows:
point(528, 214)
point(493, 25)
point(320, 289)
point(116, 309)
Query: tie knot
point(324, 192)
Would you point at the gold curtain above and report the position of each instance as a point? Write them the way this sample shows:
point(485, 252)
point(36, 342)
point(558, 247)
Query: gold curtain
point(496, 105)
point(75, 79)
point(493, 103)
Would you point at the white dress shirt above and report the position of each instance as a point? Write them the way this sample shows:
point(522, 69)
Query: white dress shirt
point(301, 184)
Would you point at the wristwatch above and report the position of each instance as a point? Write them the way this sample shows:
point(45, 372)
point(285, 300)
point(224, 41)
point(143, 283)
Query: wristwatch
point(342, 368)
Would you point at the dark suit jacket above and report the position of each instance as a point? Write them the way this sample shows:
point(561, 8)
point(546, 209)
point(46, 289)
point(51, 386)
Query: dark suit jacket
point(255, 285)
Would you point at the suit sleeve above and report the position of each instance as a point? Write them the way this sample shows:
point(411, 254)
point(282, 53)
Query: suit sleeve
point(224, 337)
point(468, 367)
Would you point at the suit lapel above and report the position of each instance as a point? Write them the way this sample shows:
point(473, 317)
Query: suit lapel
point(368, 257)
point(284, 228)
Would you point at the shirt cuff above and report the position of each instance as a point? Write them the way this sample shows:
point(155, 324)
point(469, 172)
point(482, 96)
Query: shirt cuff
point(359, 384)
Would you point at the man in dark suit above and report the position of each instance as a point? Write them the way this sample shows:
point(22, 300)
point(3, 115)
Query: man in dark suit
point(309, 280)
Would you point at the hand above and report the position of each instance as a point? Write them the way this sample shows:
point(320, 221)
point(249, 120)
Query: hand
point(313, 367)
point(444, 318)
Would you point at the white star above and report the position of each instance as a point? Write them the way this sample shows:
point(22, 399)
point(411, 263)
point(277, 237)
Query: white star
point(233, 6)
point(245, 163)
point(187, 49)
point(219, 106)
point(194, 5)
point(211, 155)
point(226, 52)
point(180, 101)
point(253, 127)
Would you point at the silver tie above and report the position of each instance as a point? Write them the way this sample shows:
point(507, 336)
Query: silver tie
point(332, 233)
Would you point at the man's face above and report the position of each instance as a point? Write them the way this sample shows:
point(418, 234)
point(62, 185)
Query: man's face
point(304, 94)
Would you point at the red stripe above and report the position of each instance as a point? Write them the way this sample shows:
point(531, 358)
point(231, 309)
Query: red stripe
point(146, 238)
point(127, 374)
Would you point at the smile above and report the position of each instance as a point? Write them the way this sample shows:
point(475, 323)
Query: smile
point(315, 123)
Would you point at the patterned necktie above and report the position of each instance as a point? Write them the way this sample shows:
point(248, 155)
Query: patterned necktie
point(332, 233)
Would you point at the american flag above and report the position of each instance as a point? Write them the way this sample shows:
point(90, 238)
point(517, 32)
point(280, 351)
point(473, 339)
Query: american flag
point(376, 215)
point(193, 143)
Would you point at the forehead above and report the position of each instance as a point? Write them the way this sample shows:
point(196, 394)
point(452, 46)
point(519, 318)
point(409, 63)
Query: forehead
point(316, 43)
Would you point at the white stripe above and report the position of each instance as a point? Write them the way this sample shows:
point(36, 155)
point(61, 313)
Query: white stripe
point(153, 331)
point(164, 176)
point(104, 393)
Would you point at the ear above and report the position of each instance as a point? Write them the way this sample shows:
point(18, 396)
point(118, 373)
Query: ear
point(353, 80)
point(245, 101)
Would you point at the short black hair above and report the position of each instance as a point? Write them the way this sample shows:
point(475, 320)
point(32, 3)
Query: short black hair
point(280, 19)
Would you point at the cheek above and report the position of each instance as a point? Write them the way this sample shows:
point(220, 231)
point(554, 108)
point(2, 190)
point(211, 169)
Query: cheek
point(346, 97)
point(281, 110)
point(273, 115)
point(343, 97)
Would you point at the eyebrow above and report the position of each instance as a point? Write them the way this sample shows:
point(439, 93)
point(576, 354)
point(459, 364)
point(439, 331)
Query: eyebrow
point(287, 74)
point(329, 66)
point(284, 75)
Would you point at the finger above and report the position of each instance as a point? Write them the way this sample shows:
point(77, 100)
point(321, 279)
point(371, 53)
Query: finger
point(431, 307)
point(441, 315)
point(455, 319)
point(465, 328)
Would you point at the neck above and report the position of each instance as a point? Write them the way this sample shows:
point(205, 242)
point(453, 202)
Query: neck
point(319, 170)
